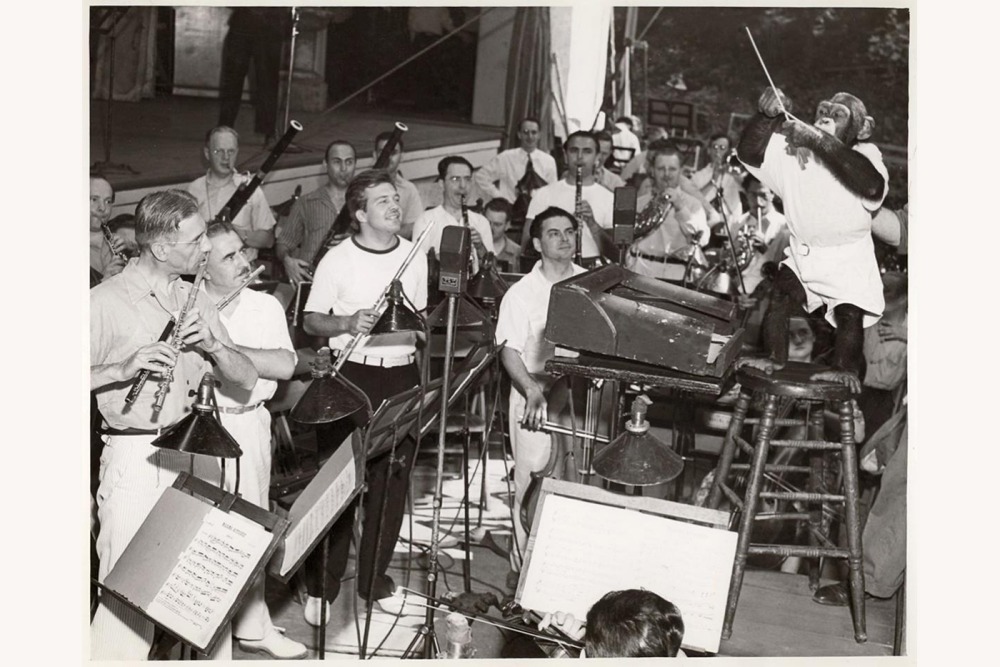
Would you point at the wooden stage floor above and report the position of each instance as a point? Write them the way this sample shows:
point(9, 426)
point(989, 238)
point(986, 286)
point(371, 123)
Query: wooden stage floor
point(776, 615)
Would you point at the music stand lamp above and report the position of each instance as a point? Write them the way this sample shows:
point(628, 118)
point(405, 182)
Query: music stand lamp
point(637, 457)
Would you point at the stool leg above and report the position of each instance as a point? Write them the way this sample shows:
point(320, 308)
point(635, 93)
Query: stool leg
point(729, 448)
point(761, 445)
point(816, 484)
point(850, 467)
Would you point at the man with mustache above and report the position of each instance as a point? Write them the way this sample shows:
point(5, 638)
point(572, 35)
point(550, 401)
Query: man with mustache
point(255, 223)
point(256, 323)
point(349, 280)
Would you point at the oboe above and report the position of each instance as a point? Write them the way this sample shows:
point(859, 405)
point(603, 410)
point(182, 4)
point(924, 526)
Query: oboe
point(175, 341)
point(576, 210)
point(110, 237)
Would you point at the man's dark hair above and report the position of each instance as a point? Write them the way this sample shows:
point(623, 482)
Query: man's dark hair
point(218, 228)
point(450, 160)
point(357, 192)
point(604, 135)
point(550, 212)
point(339, 142)
point(628, 121)
point(662, 147)
point(159, 214)
point(749, 181)
point(384, 136)
point(634, 623)
point(121, 221)
point(586, 135)
point(500, 205)
point(720, 135)
point(528, 119)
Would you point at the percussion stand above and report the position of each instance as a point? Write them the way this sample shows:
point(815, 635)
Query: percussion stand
point(106, 166)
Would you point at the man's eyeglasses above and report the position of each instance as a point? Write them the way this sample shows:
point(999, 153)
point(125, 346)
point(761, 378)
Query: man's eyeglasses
point(227, 152)
point(197, 240)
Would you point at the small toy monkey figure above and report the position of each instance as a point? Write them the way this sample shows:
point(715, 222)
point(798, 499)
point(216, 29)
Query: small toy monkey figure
point(831, 180)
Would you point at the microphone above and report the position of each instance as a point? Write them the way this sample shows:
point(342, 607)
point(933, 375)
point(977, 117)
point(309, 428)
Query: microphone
point(453, 270)
point(623, 215)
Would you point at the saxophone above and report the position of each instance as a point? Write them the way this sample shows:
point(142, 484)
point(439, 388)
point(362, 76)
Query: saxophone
point(652, 216)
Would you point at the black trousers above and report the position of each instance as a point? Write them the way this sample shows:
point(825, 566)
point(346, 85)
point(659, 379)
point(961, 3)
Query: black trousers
point(378, 384)
point(238, 49)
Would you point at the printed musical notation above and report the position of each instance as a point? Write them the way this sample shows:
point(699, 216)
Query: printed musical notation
point(209, 575)
point(583, 550)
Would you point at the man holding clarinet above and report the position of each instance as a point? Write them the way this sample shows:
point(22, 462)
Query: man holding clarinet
point(128, 314)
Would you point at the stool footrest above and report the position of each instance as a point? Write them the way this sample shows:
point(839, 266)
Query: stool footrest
point(773, 467)
point(777, 422)
point(797, 550)
point(733, 498)
point(814, 497)
point(807, 444)
point(782, 516)
point(744, 445)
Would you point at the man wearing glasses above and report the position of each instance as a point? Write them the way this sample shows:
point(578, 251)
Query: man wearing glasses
point(717, 174)
point(255, 223)
point(127, 314)
point(455, 174)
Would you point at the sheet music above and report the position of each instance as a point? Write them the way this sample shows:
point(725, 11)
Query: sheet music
point(302, 533)
point(584, 550)
point(209, 575)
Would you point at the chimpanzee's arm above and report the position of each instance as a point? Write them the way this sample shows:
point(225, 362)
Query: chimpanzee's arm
point(852, 169)
point(755, 136)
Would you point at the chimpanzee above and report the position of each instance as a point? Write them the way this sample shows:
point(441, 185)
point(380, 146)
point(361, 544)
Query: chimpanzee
point(831, 180)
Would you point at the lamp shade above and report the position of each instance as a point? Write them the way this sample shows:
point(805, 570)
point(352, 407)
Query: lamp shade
point(200, 432)
point(329, 396)
point(487, 285)
point(636, 457)
point(397, 317)
point(467, 314)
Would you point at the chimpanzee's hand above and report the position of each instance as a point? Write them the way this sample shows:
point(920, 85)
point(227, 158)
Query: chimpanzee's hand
point(769, 104)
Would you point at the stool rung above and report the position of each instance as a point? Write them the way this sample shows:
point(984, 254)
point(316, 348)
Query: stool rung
point(772, 467)
point(777, 422)
point(813, 497)
point(744, 445)
point(782, 516)
point(807, 444)
point(733, 498)
point(796, 550)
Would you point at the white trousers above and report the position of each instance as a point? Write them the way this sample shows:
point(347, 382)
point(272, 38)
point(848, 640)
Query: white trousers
point(531, 454)
point(252, 430)
point(133, 476)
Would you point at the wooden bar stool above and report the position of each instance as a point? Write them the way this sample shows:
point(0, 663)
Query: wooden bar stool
point(792, 383)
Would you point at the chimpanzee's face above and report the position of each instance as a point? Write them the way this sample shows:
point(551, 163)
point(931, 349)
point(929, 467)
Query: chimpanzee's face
point(834, 118)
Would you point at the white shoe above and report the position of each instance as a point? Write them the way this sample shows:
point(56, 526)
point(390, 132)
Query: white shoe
point(276, 645)
point(397, 605)
point(311, 611)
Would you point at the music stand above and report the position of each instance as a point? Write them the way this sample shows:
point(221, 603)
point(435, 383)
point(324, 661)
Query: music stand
point(115, 15)
point(175, 570)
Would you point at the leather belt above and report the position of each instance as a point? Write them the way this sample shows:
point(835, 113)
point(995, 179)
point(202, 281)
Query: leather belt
point(240, 409)
point(663, 259)
point(383, 362)
point(108, 430)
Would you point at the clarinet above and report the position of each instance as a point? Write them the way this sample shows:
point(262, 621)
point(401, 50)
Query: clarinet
point(175, 340)
point(465, 223)
point(245, 191)
point(576, 210)
point(109, 237)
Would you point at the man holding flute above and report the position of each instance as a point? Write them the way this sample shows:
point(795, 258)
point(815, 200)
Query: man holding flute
point(256, 323)
point(128, 312)
point(349, 280)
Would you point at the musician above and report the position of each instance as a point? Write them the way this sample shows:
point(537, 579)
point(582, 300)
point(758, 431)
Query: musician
point(604, 176)
point(409, 196)
point(626, 143)
point(256, 323)
point(255, 223)
point(499, 177)
point(637, 165)
point(300, 237)
point(633, 623)
point(596, 202)
point(663, 252)
point(499, 212)
point(521, 323)
point(718, 175)
point(455, 174)
point(127, 314)
point(103, 262)
point(764, 228)
point(348, 281)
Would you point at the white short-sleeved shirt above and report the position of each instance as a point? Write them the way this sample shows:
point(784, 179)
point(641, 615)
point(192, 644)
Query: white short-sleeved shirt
point(563, 195)
point(524, 310)
point(438, 218)
point(351, 277)
point(821, 212)
point(255, 320)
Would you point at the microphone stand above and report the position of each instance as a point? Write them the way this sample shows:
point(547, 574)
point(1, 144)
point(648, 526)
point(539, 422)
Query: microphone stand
point(729, 235)
point(106, 166)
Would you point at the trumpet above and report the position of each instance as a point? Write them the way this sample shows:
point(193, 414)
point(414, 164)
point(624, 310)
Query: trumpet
point(175, 340)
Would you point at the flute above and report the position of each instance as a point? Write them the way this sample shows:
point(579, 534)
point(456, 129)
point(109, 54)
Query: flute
point(228, 299)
